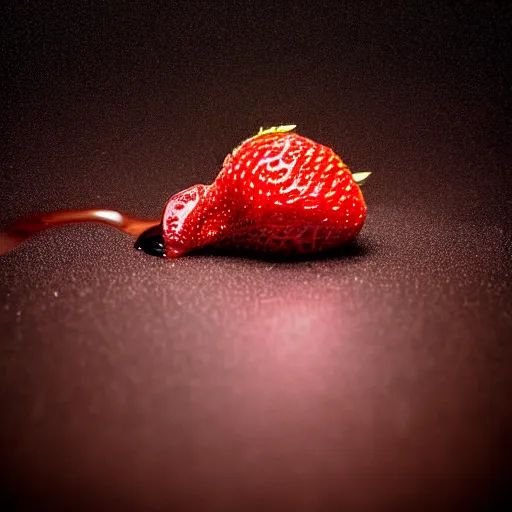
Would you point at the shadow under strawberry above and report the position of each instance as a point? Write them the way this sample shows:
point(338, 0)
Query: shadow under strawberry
point(348, 251)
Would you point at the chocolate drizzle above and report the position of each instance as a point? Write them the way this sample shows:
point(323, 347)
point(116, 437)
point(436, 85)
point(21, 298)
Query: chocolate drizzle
point(152, 242)
point(19, 231)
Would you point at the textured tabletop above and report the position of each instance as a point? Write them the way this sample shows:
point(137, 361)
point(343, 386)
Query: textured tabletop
point(377, 378)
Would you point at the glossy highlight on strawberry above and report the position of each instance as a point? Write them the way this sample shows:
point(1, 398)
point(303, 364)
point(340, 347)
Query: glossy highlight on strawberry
point(277, 192)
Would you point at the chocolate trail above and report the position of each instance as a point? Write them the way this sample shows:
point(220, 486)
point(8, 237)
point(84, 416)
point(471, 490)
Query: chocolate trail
point(19, 231)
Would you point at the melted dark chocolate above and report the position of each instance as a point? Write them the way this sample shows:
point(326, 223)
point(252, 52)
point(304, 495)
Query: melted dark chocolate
point(19, 231)
point(152, 242)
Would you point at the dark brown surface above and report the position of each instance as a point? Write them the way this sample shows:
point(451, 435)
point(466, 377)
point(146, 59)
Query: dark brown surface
point(376, 379)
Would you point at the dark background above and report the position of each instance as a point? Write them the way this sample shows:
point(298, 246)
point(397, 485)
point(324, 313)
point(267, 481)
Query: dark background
point(376, 379)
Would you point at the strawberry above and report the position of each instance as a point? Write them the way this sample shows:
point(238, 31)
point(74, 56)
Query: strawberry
point(276, 192)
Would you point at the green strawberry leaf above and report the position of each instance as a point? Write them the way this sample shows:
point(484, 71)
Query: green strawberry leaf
point(277, 129)
point(360, 177)
point(266, 131)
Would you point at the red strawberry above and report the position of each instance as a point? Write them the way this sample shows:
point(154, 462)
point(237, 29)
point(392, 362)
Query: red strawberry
point(277, 192)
